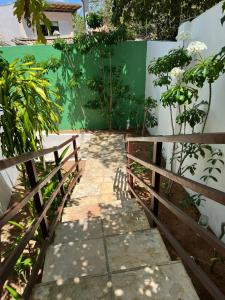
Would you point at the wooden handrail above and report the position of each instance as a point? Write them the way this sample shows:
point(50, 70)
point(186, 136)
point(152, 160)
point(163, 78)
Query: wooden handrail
point(13, 161)
point(47, 232)
point(196, 138)
point(152, 212)
point(200, 188)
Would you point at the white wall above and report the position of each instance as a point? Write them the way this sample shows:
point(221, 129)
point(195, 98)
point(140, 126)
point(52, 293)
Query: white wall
point(7, 181)
point(65, 21)
point(206, 28)
point(10, 28)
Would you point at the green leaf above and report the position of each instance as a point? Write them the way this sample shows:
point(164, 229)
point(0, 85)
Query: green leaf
point(16, 224)
point(14, 294)
point(63, 154)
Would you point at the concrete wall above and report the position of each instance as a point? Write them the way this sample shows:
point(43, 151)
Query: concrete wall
point(10, 28)
point(206, 28)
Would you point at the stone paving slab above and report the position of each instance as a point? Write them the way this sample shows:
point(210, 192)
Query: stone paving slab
point(124, 222)
point(102, 206)
point(136, 249)
point(81, 258)
point(84, 288)
point(81, 212)
point(165, 282)
point(78, 230)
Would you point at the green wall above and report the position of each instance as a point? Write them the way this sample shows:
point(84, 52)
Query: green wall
point(130, 56)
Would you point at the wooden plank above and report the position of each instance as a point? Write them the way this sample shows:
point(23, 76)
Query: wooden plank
point(200, 188)
point(13, 161)
point(197, 138)
point(157, 155)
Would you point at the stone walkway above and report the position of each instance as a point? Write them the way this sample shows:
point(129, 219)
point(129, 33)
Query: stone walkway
point(104, 248)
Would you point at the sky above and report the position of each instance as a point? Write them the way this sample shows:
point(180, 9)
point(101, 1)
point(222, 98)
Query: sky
point(2, 2)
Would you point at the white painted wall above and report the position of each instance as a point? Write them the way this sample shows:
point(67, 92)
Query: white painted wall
point(206, 28)
point(10, 28)
point(7, 182)
point(65, 22)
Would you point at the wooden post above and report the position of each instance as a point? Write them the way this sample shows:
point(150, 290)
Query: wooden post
point(59, 173)
point(38, 201)
point(130, 151)
point(76, 154)
point(157, 155)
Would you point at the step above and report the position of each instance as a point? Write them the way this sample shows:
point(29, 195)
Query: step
point(98, 206)
point(136, 249)
point(123, 221)
point(91, 256)
point(75, 259)
point(158, 282)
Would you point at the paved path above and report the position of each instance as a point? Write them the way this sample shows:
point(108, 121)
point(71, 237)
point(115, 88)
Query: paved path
point(104, 248)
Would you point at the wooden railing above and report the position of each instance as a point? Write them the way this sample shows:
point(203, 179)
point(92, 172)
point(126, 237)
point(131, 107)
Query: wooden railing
point(40, 222)
point(154, 190)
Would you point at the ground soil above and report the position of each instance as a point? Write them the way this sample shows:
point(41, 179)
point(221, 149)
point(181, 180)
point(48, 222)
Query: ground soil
point(198, 249)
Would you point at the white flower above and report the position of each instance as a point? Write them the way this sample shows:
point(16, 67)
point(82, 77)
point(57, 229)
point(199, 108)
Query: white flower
point(176, 73)
point(196, 47)
point(184, 36)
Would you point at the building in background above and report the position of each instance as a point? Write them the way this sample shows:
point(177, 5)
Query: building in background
point(59, 13)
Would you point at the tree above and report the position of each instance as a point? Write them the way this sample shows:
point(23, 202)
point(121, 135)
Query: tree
point(78, 24)
point(159, 18)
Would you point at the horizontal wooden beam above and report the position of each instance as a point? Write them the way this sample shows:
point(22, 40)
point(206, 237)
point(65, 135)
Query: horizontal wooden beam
point(13, 161)
point(200, 188)
point(196, 138)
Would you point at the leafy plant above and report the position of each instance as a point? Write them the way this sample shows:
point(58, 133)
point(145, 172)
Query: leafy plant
point(161, 66)
point(150, 119)
point(215, 163)
point(179, 94)
point(191, 116)
point(12, 292)
point(102, 86)
point(94, 20)
point(27, 105)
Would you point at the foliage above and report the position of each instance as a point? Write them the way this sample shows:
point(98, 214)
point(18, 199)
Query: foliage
point(150, 119)
point(27, 105)
point(192, 115)
point(51, 64)
point(33, 13)
point(101, 86)
point(208, 69)
point(109, 91)
point(178, 94)
point(78, 24)
point(84, 43)
point(158, 19)
point(94, 20)
point(215, 163)
point(13, 292)
point(175, 58)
